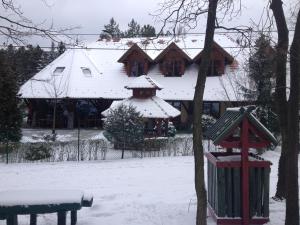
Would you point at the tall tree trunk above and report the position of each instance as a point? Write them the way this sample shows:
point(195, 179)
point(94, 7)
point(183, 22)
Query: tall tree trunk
point(54, 118)
point(280, 90)
point(292, 194)
point(197, 123)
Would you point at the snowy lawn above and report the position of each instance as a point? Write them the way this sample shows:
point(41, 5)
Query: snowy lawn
point(149, 191)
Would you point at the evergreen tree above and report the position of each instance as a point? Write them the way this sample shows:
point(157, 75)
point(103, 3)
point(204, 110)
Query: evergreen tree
point(10, 114)
point(261, 72)
point(148, 31)
point(124, 126)
point(133, 29)
point(112, 28)
point(61, 48)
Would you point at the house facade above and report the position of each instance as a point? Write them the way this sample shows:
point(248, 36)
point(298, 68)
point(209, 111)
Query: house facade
point(84, 81)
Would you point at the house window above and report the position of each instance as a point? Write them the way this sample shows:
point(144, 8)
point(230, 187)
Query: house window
point(215, 68)
point(211, 108)
point(58, 70)
point(136, 69)
point(172, 68)
point(176, 104)
point(86, 71)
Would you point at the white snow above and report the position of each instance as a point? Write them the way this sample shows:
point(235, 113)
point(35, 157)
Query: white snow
point(143, 81)
point(153, 107)
point(148, 191)
point(39, 197)
point(108, 76)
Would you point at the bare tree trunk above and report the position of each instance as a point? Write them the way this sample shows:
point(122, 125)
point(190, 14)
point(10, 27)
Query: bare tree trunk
point(292, 194)
point(197, 123)
point(54, 117)
point(280, 91)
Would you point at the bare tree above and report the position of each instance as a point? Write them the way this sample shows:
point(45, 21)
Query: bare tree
point(55, 88)
point(288, 110)
point(186, 12)
point(16, 27)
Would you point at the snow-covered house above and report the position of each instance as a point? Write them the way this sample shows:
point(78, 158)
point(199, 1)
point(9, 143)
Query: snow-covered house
point(84, 81)
point(155, 111)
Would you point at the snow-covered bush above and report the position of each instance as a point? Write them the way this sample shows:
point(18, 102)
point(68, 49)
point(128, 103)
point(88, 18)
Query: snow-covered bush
point(124, 126)
point(171, 130)
point(207, 121)
point(38, 151)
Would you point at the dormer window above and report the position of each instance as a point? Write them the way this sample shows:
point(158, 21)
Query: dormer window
point(172, 68)
point(172, 61)
point(86, 71)
point(136, 61)
point(58, 70)
point(136, 68)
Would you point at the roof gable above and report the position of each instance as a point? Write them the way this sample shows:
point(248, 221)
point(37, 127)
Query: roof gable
point(174, 47)
point(133, 48)
point(230, 122)
point(216, 47)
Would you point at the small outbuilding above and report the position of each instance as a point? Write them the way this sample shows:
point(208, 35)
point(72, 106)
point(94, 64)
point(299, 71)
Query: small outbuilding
point(238, 181)
point(155, 111)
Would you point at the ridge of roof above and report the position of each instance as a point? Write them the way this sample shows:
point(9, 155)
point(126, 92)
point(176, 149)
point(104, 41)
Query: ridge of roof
point(143, 81)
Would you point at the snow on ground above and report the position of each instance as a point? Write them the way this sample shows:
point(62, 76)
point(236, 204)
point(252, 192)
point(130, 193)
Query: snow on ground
point(148, 191)
point(36, 135)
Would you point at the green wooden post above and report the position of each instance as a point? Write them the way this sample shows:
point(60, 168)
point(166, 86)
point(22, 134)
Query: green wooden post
point(252, 191)
point(214, 192)
point(266, 192)
point(237, 192)
point(33, 219)
point(73, 217)
point(12, 220)
point(221, 191)
point(61, 218)
point(229, 191)
point(259, 178)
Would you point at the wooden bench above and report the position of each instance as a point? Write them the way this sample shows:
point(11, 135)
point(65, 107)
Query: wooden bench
point(33, 202)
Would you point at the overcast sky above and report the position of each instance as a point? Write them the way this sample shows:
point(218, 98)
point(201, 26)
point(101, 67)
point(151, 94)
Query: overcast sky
point(91, 15)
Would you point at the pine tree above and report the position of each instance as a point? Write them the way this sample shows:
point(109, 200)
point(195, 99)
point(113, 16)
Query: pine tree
point(112, 28)
point(261, 72)
point(133, 29)
point(148, 31)
point(124, 126)
point(61, 48)
point(10, 114)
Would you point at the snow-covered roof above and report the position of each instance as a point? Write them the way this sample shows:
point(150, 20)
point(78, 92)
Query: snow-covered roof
point(143, 81)
point(95, 72)
point(153, 107)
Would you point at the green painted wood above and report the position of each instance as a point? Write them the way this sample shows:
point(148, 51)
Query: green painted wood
point(221, 192)
point(209, 182)
point(39, 209)
point(12, 220)
point(61, 218)
point(237, 192)
point(213, 199)
point(266, 192)
point(229, 192)
point(252, 191)
point(73, 217)
point(33, 219)
point(259, 178)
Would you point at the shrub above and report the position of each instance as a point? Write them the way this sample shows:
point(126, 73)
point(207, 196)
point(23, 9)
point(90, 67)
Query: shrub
point(124, 126)
point(38, 151)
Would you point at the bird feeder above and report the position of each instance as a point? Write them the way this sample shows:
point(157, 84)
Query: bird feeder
point(238, 181)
